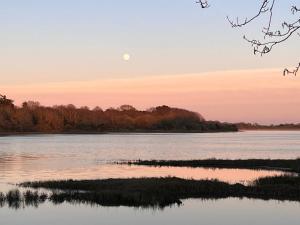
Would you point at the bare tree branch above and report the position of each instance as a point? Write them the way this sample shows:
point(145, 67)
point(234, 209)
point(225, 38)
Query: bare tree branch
point(295, 9)
point(263, 9)
point(295, 71)
point(203, 3)
point(271, 38)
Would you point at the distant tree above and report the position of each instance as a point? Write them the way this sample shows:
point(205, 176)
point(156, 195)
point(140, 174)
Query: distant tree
point(84, 108)
point(126, 108)
point(71, 106)
point(271, 38)
point(4, 101)
point(97, 109)
point(31, 104)
point(162, 109)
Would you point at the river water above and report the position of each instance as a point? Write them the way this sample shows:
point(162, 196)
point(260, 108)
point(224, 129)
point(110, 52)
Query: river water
point(48, 157)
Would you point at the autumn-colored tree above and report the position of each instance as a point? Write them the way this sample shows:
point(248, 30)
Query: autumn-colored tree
point(33, 117)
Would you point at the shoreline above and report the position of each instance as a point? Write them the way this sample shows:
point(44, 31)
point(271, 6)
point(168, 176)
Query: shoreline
point(269, 129)
point(4, 134)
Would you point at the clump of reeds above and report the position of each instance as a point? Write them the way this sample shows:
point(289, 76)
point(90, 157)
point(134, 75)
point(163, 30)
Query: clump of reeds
point(15, 199)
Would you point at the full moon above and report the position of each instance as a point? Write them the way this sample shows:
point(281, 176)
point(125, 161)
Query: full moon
point(126, 57)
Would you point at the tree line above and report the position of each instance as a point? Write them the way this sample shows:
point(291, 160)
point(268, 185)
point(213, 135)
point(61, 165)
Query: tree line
point(33, 117)
point(256, 126)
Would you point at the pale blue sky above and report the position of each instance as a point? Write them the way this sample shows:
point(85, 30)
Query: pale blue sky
point(67, 40)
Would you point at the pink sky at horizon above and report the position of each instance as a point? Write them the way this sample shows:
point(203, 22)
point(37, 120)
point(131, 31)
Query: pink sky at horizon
point(263, 96)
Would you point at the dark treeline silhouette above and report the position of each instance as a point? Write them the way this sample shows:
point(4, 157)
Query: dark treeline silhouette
point(33, 117)
point(256, 126)
point(285, 165)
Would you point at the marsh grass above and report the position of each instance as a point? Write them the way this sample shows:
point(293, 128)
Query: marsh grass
point(285, 165)
point(149, 192)
point(15, 199)
point(161, 192)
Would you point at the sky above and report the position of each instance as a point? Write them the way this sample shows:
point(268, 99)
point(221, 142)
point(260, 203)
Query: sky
point(71, 51)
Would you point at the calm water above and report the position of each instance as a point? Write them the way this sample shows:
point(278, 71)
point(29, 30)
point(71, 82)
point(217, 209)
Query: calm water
point(43, 157)
point(193, 212)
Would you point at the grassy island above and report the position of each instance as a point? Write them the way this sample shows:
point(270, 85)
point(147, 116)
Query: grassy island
point(286, 165)
point(151, 192)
